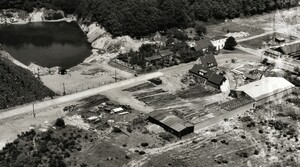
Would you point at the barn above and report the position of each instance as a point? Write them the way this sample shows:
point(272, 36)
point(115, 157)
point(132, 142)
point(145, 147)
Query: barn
point(265, 90)
point(171, 123)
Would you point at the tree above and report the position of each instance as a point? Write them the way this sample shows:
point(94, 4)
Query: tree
point(230, 43)
point(265, 61)
point(60, 123)
point(200, 29)
point(297, 70)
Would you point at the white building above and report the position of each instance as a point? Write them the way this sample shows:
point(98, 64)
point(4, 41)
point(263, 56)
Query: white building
point(219, 42)
point(266, 89)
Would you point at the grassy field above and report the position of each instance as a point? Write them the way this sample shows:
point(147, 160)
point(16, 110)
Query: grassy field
point(231, 27)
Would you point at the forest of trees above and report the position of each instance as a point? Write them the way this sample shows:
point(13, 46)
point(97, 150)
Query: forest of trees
point(19, 86)
point(181, 54)
point(140, 17)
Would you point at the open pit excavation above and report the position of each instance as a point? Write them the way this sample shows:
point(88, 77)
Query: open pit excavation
point(90, 83)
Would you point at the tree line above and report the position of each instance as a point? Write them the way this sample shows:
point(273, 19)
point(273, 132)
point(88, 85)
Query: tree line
point(138, 18)
point(19, 86)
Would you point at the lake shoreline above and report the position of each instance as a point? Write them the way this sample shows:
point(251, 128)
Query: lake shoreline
point(37, 16)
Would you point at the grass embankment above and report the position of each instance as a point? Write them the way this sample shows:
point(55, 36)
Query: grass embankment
point(19, 86)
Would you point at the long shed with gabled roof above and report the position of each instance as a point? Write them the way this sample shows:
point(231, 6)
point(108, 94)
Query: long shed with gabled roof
point(171, 123)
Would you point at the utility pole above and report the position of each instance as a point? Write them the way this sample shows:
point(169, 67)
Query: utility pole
point(115, 75)
point(38, 74)
point(64, 92)
point(33, 112)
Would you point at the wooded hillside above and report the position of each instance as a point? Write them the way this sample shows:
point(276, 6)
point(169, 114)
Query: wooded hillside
point(141, 17)
point(19, 86)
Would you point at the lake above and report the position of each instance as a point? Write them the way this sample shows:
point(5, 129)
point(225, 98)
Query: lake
point(46, 44)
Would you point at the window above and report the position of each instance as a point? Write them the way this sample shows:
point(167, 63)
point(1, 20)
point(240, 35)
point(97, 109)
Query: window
point(201, 73)
point(210, 64)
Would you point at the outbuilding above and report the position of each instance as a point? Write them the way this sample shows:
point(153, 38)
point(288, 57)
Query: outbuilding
point(265, 90)
point(171, 123)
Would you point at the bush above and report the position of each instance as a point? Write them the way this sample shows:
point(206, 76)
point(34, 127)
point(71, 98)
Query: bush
point(142, 152)
point(127, 157)
point(200, 29)
point(145, 144)
point(116, 130)
point(60, 123)
point(230, 43)
point(166, 136)
point(214, 140)
point(246, 119)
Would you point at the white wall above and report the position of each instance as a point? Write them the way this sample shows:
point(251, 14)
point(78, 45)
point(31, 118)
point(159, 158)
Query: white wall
point(219, 44)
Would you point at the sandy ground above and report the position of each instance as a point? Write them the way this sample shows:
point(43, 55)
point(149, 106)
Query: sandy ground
point(15, 125)
point(20, 119)
point(35, 16)
point(283, 20)
point(85, 76)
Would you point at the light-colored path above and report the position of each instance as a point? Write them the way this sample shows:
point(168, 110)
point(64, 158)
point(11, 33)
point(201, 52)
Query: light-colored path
point(267, 33)
point(76, 96)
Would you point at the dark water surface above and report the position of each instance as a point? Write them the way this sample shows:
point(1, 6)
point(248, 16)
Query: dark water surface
point(46, 44)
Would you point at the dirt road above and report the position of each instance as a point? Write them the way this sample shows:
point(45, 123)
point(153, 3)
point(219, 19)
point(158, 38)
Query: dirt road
point(279, 63)
point(268, 33)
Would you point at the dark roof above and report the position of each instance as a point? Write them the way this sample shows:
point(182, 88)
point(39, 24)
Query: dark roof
point(164, 39)
point(254, 74)
point(273, 52)
point(288, 49)
point(203, 43)
point(212, 77)
point(216, 79)
point(164, 53)
point(159, 38)
point(217, 37)
point(280, 39)
point(159, 55)
point(155, 57)
point(201, 68)
point(170, 120)
point(209, 59)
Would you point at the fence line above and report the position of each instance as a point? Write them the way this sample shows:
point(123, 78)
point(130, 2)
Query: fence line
point(86, 87)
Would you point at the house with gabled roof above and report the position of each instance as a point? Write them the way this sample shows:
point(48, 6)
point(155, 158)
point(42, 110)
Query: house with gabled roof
point(292, 50)
point(211, 78)
point(160, 40)
point(208, 60)
point(201, 45)
point(171, 123)
point(216, 80)
point(201, 70)
point(159, 56)
point(218, 42)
